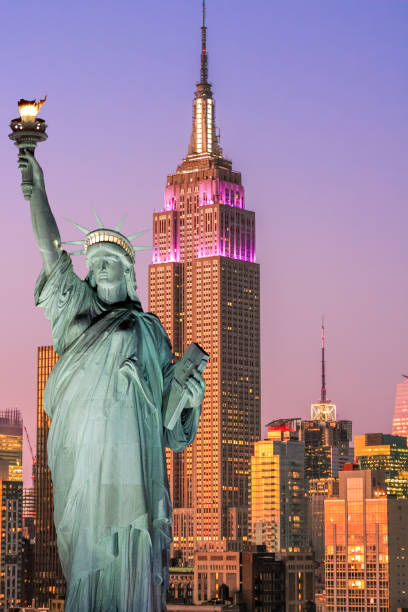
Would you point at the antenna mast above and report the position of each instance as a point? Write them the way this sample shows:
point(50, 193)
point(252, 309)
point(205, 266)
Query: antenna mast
point(323, 395)
point(204, 58)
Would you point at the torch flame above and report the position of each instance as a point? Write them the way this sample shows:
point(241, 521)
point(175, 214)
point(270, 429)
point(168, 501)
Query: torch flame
point(29, 109)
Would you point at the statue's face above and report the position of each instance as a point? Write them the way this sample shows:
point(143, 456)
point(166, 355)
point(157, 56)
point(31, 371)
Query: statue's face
point(107, 266)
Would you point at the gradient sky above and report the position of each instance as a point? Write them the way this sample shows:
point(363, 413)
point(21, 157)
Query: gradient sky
point(311, 101)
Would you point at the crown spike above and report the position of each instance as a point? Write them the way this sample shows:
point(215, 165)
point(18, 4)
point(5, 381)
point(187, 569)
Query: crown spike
point(108, 236)
point(119, 225)
point(80, 227)
point(99, 220)
point(134, 236)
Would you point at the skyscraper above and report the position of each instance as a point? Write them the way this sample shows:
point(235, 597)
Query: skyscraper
point(204, 286)
point(11, 539)
point(277, 489)
point(384, 452)
point(319, 490)
point(11, 445)
point(400, 421)
point(28, 547)
point(327, 450)
point(327, 441)
point(263, 581)
point(49, 581)
point(366, 546)
point(29, 513)
point(11, 503)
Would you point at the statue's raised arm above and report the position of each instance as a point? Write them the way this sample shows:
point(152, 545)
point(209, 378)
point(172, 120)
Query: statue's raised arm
point(44, 225)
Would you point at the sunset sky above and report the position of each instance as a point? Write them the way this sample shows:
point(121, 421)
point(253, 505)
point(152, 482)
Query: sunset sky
point(311, 100)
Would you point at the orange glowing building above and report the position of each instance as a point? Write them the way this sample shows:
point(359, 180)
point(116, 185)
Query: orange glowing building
point(378, 451)
point(277, 489)
point(49, 580)
point(366, 547)
point(11, 445)
point(204, 287)
point(11, 503)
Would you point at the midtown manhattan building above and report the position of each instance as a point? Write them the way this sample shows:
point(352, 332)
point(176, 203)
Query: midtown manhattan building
point(11, 503)
point(319, 489)
point(216, 574)
point(49, 581)
point(327, 450)
point(11, 541)
point(204, 287)
point(11, 445)
point(28, 547)
point(277, 489)
point(327, 440)
point(263, 581)
point(366, 546)
point(400, 421)
point(384, 452)
point(29, 513)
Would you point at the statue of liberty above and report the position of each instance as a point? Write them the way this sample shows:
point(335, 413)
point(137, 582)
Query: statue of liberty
point(106, 398)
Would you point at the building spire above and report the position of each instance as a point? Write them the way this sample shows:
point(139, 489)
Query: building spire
point(204, 57)
point(323, 394)
point(204, 138)
point(324, 410)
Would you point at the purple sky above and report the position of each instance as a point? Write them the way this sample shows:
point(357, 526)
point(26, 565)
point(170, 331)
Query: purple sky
point(311, 102)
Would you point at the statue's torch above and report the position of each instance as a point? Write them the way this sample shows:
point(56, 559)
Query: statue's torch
point(27, 131)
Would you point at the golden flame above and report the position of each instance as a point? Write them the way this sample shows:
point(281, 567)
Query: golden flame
point(29, 109)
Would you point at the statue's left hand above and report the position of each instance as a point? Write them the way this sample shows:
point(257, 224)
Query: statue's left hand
point(195, 386)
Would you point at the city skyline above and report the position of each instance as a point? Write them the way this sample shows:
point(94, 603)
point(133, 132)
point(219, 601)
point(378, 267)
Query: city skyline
point(311, 113)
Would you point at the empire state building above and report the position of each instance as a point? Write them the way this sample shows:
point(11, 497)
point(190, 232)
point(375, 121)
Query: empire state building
point(204, 287)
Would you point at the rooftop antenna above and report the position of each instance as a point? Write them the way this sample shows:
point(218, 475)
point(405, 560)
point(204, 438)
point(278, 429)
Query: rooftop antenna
point(323, 395)
point(204, 57)
point(324, 410)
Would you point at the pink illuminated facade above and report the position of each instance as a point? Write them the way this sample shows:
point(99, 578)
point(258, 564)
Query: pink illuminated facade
point(400, 421)
point(204, 286)
point(221, 229)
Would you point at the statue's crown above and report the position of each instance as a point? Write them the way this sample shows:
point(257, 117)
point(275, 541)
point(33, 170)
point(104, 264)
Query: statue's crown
point(109, 236)
point(112, 236)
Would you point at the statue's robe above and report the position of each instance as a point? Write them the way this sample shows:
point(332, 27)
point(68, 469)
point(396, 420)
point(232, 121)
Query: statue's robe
point(106, 446)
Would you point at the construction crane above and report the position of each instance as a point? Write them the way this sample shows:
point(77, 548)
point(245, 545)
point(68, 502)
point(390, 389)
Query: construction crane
point(33, 457)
